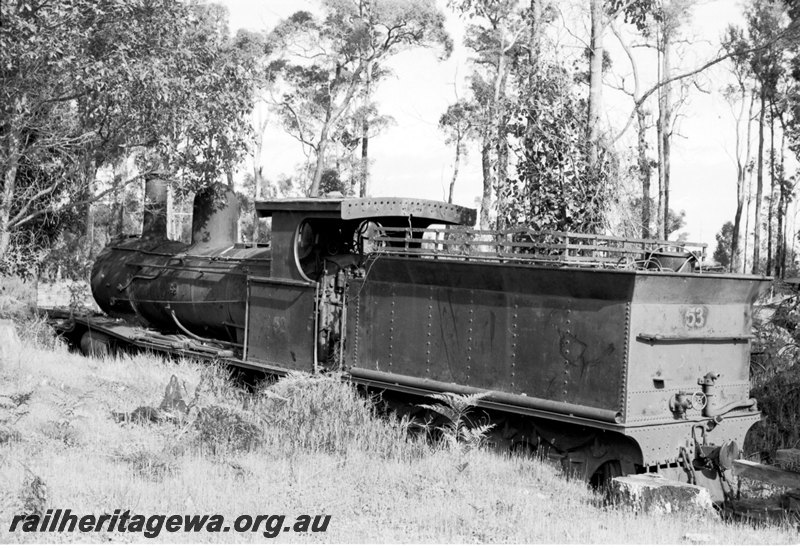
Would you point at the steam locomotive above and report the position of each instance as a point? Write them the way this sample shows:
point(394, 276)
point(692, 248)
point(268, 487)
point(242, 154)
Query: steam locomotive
point(609, 355)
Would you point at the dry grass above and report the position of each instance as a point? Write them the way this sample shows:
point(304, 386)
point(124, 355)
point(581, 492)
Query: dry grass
point(301, 446)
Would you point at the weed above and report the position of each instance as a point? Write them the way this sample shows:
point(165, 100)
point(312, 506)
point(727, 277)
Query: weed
point(323, 414)
point(20, 398)
point(80, 296)
point(35, 330)
point(779, 399)
point(34, 495)
point(459, 429)
point(9, 435)
point(62, 431)
point(221, 428)
point(17, 298)
point(150, 465)
point(10, 413)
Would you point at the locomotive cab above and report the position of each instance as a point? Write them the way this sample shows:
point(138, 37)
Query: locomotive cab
point(295, 315)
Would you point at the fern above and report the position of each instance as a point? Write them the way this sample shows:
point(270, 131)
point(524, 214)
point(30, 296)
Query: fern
point(459, 430)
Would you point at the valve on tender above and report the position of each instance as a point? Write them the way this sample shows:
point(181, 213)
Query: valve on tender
point(707, 384)
point(682, 401)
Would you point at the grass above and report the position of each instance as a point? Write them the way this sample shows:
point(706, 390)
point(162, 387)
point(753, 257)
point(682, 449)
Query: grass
point(301, 446)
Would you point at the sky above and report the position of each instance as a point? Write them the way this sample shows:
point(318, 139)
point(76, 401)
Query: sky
point(411, 158)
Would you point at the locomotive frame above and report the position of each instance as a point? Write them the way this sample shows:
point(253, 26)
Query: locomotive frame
point(610, 355)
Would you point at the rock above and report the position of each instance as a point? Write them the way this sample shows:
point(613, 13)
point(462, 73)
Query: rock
point(172, 407)
point(656, 494)
point(174, 397)
point(9, 341)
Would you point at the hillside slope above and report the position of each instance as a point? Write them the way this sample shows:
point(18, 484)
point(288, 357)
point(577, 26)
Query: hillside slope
point(301, 446)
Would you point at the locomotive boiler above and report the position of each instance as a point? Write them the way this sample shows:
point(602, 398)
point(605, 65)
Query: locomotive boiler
point(609, 355)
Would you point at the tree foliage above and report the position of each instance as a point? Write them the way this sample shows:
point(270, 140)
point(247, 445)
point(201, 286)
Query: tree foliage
point(531, 121)
point(459, 123)
point(555, 187)
point(323, 63)
point(89, 83)
point(722, 253)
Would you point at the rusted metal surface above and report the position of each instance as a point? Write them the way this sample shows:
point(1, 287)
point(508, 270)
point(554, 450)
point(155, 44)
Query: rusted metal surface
point(519, 401)
point(159, 281)
point(661, 443)
point(215, 217)
point(152, 280)
point(372, 208)
point(683, 328)
point(521, 245)
point(367, 208)
point(616, 352)
point(543, 333)
point(281, 322)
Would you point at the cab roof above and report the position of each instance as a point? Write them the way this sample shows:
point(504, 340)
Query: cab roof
point(367, 208)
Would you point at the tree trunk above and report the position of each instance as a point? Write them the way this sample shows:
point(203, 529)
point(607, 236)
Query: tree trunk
point(771, 202)
point(364, 175)
point(9, 186)
point(737, 220)
point(664, 135)
point(534, 52)
point(89, 174)
point(595, 79)
point(501, 125)
point(747, 220)
point(11, 157)
point(535, 39)
point(455, 171)
point(644, 171)
point(486, 164)
point(364, 158)
point(780, 244)
point(332, 116)
point(759, 185)
point(120, 174)
point(322, 145)
point(741, 171)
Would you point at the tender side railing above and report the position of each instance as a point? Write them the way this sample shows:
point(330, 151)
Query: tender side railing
point(526, 246)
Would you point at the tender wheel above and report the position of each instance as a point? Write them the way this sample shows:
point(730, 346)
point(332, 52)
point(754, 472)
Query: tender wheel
point(96, 345)
point(607, 471)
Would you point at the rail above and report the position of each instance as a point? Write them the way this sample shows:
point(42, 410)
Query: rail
point(529, 247)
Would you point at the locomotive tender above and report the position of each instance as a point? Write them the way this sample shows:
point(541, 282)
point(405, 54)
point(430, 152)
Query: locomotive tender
point(612, 356)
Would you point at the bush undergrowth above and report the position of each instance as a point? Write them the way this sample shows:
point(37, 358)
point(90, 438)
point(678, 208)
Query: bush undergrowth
point(304, 413)
point(18, 303)
point(775, 377)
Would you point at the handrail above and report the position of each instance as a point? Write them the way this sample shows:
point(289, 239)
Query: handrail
point(523, 245)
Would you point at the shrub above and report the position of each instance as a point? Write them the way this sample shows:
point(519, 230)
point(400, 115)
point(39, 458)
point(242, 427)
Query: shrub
point(150, 465)
point(221, 428)
point(775, 373)
point(17, 298)
point(779, 400)
point(324, 414)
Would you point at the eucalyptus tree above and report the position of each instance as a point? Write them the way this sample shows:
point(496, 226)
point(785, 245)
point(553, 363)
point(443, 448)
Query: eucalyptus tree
point(601, 14)
point(531, 120)
point(735, 41)
point(498, 34)
point(764, 26)
point(324, 62)
point(87, 82)
point(459, 122)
